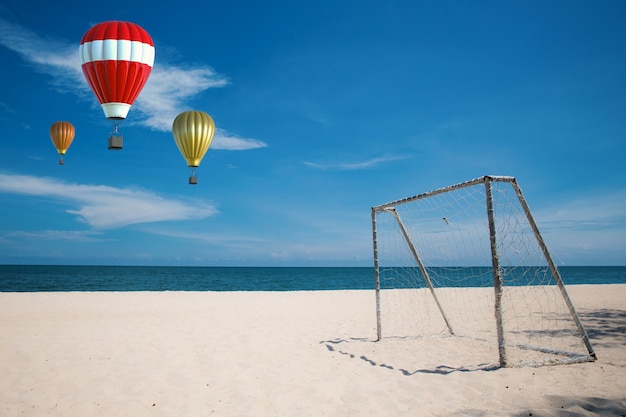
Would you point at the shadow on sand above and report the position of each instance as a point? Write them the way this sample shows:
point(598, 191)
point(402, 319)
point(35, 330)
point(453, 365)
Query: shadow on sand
point(605, 327)
point(333, 346)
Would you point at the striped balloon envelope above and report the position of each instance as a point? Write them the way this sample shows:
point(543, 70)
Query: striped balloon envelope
point(116, 58)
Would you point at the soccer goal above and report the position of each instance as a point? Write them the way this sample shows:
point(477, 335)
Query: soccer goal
point(468, 262)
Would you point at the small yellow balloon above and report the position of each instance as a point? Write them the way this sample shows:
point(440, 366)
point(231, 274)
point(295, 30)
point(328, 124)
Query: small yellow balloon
point(193, 133)
point(62, 135)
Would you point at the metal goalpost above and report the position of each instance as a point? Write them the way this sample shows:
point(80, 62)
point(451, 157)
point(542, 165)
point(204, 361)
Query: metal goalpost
point(491, 231)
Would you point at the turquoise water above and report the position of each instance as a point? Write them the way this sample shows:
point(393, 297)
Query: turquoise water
point(29, 278)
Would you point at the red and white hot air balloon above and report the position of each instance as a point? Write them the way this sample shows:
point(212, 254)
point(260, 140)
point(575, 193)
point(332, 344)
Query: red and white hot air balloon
point(116, 58)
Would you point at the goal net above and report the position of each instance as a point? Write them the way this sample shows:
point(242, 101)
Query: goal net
point(467, 262)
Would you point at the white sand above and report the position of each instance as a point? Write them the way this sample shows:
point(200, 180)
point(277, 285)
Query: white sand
point(277, 354)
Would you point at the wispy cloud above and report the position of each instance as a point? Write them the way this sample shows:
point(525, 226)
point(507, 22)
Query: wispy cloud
point(585, 230)
point(226, 239)
point(167, 89)
point(232, 245)
point(55, 235)
point(105, 207)
point(230, 142)
point(164, 96)
point(57, 58)
point(597, 212)
point(353, 166)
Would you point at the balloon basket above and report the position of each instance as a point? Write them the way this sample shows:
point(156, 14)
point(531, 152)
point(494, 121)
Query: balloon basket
point(115, 142)
point(61, 161)
point(193, 180)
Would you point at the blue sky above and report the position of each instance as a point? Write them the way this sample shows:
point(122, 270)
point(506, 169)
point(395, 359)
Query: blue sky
point(324, 109)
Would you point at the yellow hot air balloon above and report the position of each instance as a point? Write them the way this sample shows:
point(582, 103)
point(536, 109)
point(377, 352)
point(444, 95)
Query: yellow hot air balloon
point(193, 133)
point(62, 135)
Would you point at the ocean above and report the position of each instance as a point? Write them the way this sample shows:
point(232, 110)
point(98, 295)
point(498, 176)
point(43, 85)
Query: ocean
point(38, 278)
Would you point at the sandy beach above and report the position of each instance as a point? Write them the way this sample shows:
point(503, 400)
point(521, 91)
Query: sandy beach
point(306, 353)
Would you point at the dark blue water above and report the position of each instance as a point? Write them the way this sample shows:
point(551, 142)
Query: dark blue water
point(157, 278)
point(28, 278)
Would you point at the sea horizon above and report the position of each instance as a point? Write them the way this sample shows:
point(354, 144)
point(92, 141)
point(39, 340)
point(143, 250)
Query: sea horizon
point(46, 278)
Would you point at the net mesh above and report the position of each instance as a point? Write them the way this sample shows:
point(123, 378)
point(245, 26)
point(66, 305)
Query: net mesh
point(436, 276)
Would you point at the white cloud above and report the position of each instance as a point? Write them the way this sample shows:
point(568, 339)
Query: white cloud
point(55, 235)
point(228, 141)
point(353, 166)
point(164, 96)
point(167, 89)
point(105, 207)
point(585, 231)
point(57, 58)
point(232, 245)
point(228, 239)
point(594, 212)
